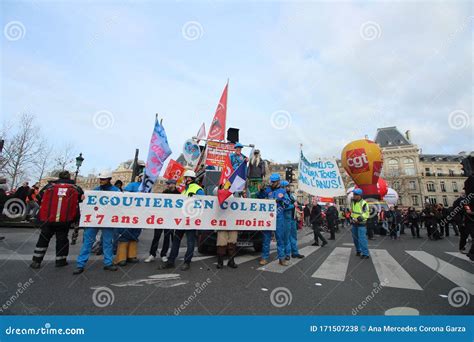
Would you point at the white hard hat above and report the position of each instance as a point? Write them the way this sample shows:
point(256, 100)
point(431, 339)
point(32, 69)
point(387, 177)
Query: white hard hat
point(189, 173)
point(105, 175)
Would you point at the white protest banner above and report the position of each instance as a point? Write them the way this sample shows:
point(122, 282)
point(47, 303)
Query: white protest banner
point(320, 178)
point(154, 211)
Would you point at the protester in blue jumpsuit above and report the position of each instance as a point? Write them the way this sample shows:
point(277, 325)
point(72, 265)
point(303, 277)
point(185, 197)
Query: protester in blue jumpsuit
point(91, 232)
point(237, 157)
point(128, 237)
point(292, 245)
point(276, 192)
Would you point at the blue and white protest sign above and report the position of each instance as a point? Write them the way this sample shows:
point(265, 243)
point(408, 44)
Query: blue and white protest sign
point(158, 211)
point(320, 178)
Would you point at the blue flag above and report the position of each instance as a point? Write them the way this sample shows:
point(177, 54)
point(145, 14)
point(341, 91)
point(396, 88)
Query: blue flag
point(157, 154)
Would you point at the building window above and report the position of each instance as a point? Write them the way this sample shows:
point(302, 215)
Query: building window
point(445, 201)
point(428, 171)
point(412, 185)
point(393, 169)
point(439, 172)
point(430, 187)
point(443, 187)
point(455, 187)
point(396, 185)
point(409, 166)
point(414, 200)
point(451, 173)
point(432, 199)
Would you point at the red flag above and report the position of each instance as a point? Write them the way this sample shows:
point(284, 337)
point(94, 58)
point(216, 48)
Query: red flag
point(223, 193)
point(217, 129)
point(227, 171)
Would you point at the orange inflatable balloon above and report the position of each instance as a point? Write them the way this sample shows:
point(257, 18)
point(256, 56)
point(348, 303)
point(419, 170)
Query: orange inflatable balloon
point(363, 160)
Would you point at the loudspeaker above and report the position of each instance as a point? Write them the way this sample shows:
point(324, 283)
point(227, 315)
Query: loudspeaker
point(233, 135)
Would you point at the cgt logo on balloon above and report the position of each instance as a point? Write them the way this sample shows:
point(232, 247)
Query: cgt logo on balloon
point(357, 160)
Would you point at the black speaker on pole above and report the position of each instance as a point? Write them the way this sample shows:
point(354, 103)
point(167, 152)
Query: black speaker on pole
point(233, 135)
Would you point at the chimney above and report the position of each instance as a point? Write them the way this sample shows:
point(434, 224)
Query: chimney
point(407, 135)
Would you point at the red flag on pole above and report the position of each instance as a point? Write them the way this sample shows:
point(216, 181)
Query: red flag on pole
point(217, 129)
point(223, 192)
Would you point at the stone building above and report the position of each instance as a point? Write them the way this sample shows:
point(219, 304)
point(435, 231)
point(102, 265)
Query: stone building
point(419, 178)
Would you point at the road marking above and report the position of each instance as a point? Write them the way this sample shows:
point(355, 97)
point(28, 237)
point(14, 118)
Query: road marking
point(275, 267)
point(246, 258)
point(335, 265)
point(390, 272)
point(450, 272)
point(460, 256)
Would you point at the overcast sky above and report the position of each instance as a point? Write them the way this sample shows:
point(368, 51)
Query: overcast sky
point(317, 73)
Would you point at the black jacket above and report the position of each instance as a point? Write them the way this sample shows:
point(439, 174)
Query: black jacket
point(316, 218)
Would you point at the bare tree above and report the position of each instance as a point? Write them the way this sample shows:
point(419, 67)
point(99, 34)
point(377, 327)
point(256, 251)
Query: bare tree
point(64, 157)
point(21, 149)
point(44, 160)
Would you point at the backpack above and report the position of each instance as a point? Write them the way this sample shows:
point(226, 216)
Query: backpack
point(59, 204)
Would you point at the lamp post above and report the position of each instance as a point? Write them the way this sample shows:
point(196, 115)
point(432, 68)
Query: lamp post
point(79, 160)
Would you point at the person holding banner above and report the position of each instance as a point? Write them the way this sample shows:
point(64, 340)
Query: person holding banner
point(167, 233)
point(290, 221)
point(91, 233)
point(276, 192)
point(128, 238)
point(191, 189)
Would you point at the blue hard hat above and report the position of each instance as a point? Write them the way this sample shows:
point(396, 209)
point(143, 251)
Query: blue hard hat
point(237, 145)
point(274, 177)
point(358, 192)
point(284, 183)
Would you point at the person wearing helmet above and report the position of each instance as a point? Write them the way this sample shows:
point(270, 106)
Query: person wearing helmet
point(191, 189)
point(127, 238)
point(290, 222)
point(90, 234)
point(276, 192)
point(237, 158)
point(360, 212)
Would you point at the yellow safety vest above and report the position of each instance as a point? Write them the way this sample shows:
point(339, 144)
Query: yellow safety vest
point(191, 189)
point(361, 209)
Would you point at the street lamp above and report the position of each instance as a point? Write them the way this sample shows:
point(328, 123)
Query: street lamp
point(79, 160)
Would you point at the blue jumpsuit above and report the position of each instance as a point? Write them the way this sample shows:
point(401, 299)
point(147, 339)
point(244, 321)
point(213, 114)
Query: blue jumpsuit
point(89, 239)
point(292, 246)
point(129, 234)
point(282, 233)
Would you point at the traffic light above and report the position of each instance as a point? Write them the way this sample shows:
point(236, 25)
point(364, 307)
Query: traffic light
point(289, 174)
point(468, 166)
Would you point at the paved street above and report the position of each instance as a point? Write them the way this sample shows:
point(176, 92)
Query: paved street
point(331, 280)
